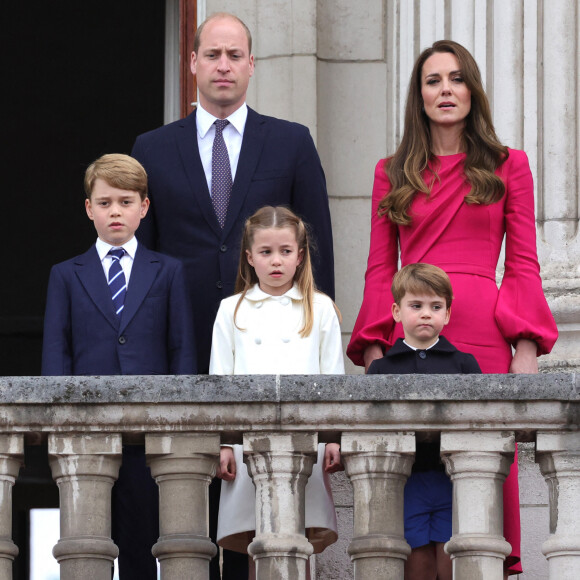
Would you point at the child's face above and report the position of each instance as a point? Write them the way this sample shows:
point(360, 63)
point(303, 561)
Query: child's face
point(275, 257)
point(117, 213)
point(423, 317)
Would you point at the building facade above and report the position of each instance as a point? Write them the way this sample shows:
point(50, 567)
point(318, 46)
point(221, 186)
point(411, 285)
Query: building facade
point(342, 68)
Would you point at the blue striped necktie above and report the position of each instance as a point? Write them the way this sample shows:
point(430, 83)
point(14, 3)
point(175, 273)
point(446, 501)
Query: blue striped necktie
point(117, 282)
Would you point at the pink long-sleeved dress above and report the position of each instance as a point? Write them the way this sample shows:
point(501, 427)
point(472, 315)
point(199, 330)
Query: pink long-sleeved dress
point(465, 240)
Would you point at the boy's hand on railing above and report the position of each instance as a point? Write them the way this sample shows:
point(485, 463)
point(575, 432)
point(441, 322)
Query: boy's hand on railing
point(226, 469)
point(332, 461)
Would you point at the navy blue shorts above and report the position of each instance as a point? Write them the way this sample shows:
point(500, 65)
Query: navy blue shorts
point(428, 513)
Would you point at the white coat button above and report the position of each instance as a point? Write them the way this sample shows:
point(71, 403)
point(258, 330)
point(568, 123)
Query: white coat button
point(285, 339)
point(285, 301)
point(259, 304)
point(258, 340)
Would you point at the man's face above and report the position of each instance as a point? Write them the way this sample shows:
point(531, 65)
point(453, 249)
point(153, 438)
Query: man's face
point(223, 66)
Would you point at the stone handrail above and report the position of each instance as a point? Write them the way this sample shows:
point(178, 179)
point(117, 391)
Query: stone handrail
point(280, 420)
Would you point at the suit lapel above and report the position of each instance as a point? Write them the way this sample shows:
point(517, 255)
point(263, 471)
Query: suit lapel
point(252, 145)
point(89, 271)
point(143, 273)
point(186, 138)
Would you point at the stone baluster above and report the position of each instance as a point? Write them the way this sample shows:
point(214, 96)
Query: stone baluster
point(11, 453)
point(478, 463)
point(378, 465)
point(558, 454)
point(183, 465)
point(280, 464)
point(85, 468)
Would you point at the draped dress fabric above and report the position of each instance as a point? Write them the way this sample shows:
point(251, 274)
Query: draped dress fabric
point(266, 340)
point(465, 240)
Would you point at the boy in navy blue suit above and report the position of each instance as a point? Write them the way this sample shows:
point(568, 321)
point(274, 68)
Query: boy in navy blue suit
point(423, 296)
point(121, 309)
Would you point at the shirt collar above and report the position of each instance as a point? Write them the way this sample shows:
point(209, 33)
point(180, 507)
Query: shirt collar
point(255, 294)
point(415, 348)
point(205, 120)
point(103, 248)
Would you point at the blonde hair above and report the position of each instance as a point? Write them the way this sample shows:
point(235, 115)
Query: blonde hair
point(419, 278)
point(278, 217)
point(117, 170)
point(485, 152)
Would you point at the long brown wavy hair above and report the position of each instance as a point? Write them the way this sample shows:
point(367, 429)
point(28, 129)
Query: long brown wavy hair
point(406, 169)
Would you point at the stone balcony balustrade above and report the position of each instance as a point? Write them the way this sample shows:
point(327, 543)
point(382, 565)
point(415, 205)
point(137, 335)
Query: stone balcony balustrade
point(280, 420)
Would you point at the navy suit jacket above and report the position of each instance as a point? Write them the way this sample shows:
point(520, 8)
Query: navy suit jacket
point(84, 336)
point(278, 165)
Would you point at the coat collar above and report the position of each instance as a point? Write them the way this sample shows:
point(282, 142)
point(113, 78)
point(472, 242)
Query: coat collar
point(256, 295)
point(443, 345)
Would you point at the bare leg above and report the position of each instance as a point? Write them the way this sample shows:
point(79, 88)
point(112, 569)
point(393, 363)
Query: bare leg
point(421, 564)
point(444, 567)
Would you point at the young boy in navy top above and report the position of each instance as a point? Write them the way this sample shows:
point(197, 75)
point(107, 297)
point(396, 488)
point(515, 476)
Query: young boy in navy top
point(423, 297)
point(121, 309)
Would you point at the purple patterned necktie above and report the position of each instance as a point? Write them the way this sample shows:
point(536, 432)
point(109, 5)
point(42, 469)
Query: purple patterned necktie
point(221, 173)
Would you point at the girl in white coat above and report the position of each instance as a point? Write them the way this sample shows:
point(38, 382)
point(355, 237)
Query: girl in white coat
point(276, 323)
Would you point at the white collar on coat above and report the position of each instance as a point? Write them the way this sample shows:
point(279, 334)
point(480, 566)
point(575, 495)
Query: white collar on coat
point(256, 295)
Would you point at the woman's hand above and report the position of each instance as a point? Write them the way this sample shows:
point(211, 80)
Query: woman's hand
point(332, 461)
point(372, 352)
point(525, 358)
point(226, 469)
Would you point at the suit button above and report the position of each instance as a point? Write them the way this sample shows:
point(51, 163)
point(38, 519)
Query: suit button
point(219, 284)
point(223, 248)
point(422, 354)
point(122, 340)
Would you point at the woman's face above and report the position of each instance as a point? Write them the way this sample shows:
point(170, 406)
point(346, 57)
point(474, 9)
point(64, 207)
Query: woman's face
point(446, 98)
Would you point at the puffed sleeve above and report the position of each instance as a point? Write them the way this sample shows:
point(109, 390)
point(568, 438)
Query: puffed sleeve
point(522, 310)
point(331, 359)
point(374, 323)
point(222, 357)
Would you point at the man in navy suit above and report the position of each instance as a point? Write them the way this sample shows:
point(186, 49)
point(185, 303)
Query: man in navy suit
point(121, 309)
point(272, 162)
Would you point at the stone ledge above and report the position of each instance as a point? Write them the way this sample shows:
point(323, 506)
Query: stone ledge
point(288, 388)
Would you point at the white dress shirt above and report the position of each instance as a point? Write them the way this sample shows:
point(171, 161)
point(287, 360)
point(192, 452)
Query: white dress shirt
point(130, 248)
point(233, 135)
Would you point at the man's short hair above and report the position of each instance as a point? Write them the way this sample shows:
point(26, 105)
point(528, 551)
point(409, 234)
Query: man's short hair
point(216, 16)
point(419, 279)
point(117, 170)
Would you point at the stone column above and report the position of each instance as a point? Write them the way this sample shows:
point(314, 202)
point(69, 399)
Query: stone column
point(85, 468)
point(183, 465)
point(378, 465)
point(478, 463)
point(280, 464)
point(11, 453)
point(558, 454)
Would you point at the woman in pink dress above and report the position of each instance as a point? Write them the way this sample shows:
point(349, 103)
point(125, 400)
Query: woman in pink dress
point(448, 196)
